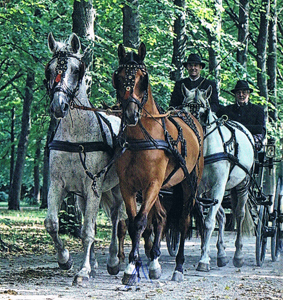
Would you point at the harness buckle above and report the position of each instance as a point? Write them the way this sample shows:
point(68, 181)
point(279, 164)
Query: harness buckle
point(81, 148)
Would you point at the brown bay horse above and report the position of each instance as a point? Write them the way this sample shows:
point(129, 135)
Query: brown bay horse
point(157, 151)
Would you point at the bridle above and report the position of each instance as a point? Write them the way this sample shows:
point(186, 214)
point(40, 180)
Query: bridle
point(195, 105)
point(61, 67)
point(131, 69)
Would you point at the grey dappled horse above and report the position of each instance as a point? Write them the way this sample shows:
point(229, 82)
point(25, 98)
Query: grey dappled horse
point(83, 144)
point(228, 158)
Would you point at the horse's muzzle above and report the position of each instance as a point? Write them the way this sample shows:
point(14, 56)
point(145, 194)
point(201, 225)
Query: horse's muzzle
point(132, 119)
point(59, 107)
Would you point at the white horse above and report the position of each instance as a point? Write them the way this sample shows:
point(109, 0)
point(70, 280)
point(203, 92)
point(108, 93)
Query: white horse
point(81, 149)
point(229, 158)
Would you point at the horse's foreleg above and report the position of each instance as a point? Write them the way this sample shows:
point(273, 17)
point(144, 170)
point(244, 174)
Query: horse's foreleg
point(222, 259)
point(88, 231)
point(180, 259)
point(135, 229)
point(122, 231)
point(147, 236)
point(159, 220)
point(185, 208)
point(242, 196)
point(209, 225)
point(113, 263)
point(137, 225)
point(51, 222)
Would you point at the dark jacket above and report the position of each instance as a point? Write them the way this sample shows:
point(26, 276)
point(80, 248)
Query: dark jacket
point(250, 115)
point(202, 83)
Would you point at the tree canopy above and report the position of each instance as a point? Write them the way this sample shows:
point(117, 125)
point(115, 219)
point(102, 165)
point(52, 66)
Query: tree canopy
point(25, 25)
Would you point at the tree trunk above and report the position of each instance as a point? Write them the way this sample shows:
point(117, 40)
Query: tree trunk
point(261, 48)
point(131, 24)
point(179, 41)
point(36, 176)
point(272, 61)
point(83, 25)
point(214, 42)
point(45, 185)
point(15, 190)
point(12, 140)
point(243, 33)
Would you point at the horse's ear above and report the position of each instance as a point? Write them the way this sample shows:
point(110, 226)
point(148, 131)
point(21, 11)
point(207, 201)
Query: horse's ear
point(114, 80)
point(184, 90)
point(142, 51)
point(74, 43)
point(121, 52)
point(51, 42)
point(208, 92)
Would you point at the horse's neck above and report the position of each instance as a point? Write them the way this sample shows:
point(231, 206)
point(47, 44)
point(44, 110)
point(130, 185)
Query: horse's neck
point(148, 123)
point(150, 105)
point(213, 141)
point(78, 125)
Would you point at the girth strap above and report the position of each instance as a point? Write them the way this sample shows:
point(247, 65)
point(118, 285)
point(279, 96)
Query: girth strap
point(137, 145)
point(79, 147)
point(224, 156)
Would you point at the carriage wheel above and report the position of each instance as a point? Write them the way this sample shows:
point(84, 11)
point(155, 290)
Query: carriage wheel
point(173, 241)
point(261, 238)
point(275, 240)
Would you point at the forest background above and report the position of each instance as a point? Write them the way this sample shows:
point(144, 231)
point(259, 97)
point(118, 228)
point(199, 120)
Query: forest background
point(236, 40)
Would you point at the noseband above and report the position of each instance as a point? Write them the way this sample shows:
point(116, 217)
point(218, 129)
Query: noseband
point(131, 69)
point(61, 68)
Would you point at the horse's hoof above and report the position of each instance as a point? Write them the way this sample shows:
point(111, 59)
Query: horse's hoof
point(67, 265)
point(129, 279)
point(113, 270)
point(238, 262)
point(155, 274)
point(222, 261)
point(177, 276)
point(80, 280)
point(203, 267)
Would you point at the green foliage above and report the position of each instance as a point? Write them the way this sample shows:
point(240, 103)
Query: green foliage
point(25, 25)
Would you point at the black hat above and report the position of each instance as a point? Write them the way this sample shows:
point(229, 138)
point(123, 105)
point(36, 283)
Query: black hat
point(194, 59)
point(241, 85)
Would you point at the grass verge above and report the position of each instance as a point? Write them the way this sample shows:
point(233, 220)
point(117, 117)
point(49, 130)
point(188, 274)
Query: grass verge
point(23, 233)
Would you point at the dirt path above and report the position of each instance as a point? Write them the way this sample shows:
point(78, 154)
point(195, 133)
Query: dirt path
point(38, 277)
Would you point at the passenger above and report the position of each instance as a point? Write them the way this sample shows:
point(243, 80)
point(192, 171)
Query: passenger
point(243, 111)
point(194, 65)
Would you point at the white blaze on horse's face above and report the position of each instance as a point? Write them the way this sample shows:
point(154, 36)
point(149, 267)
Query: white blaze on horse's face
point(65, 73)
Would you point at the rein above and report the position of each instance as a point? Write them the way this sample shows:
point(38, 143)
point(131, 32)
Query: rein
point(110, 111)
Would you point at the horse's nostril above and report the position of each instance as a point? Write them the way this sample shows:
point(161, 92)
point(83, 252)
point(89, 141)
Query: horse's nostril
point(66, 107)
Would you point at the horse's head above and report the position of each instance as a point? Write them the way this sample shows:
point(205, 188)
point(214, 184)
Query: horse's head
point(131, 83)
point(64, 73)
point(196, 102)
